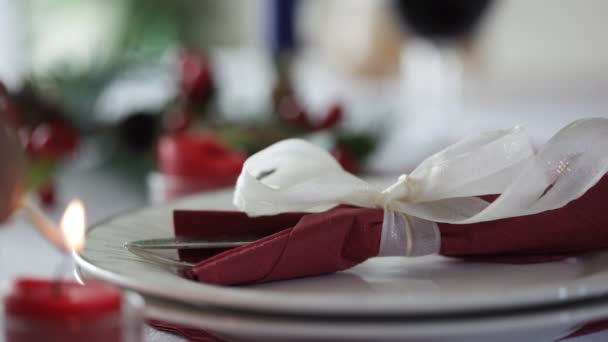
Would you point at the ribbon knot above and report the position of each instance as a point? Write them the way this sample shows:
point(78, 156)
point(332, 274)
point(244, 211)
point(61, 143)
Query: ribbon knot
point(445, 186)
point(398, 191)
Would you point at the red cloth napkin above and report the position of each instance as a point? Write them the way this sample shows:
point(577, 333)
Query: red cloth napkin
point(579, 227)
point(295, 245)
point(300, 244)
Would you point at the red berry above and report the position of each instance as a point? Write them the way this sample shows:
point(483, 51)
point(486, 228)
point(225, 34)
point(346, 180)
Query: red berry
point(334, 115)
point(346, 159)
point(51, 140)
point(291, 111)
point(46, 194)
point(195, 75)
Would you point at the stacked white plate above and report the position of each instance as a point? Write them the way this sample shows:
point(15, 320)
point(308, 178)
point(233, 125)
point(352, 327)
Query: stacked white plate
point(418, 299)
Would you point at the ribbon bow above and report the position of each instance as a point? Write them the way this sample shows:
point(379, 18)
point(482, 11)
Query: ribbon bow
point(293, 175)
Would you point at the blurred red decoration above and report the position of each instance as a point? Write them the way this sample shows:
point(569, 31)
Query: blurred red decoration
point(46, 194)
point(190, 163)
point(50, 140)
point(292, 112)
point(334, 116)
point(195, 75)
point(199, 156)
point(346, 159)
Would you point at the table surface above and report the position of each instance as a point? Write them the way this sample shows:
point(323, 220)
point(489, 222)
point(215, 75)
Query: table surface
point(105, 192)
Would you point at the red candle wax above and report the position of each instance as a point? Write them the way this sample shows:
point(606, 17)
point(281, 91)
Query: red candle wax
point(48, 310)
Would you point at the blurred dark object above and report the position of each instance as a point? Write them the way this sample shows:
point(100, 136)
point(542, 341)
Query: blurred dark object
point(34, 108)
point(435, 61)
point(281, 30)
point(441, 19)
point(8, 108)
point(360, 146)
point(139, 130)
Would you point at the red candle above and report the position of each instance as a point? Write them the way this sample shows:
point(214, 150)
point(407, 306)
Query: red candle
point(190, 162)
point(48, 310)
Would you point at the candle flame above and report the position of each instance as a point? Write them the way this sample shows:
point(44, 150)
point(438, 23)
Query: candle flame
point(73, 225)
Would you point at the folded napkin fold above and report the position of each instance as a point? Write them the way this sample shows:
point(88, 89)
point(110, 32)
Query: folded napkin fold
point(303, 244)
point(295, 244)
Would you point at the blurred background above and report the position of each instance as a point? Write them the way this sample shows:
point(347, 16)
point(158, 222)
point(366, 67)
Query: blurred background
point(170, 97)
point(123, 103)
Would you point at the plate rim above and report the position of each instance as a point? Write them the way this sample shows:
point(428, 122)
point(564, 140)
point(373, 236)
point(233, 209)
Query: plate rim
point(574, 317)
point(574, 314)
point(262, 301)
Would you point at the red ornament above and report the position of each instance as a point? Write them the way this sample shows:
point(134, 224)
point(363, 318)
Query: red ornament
point(346, 159)
point(51, 140)
point(195, 75)
point(198, 156)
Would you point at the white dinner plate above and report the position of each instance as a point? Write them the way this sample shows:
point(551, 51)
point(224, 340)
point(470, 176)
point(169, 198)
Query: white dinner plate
point(543, 324)
point(388, 286)
point(233, 326)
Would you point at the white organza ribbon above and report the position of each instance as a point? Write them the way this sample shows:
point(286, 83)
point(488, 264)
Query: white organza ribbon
point(294, 175)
